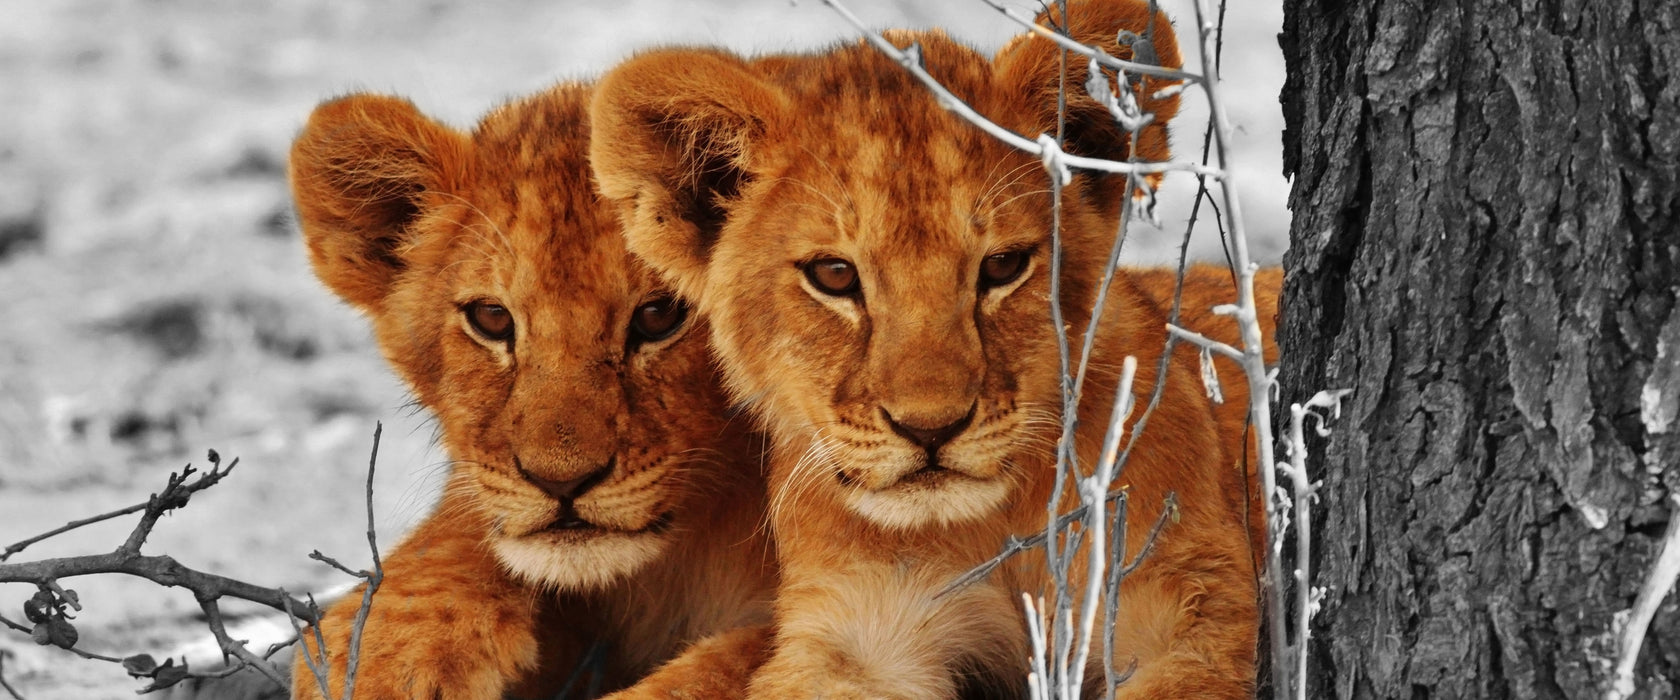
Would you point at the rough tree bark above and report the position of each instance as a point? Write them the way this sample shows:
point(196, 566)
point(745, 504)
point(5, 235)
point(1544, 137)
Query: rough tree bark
point(1486, 247)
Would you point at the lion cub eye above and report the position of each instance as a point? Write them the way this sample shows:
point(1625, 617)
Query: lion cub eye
point(658, 319)
point(490, 320)
point(1000, 269)
point(832, 276)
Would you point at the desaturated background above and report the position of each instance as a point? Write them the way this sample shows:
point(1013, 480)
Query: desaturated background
point(155, 301)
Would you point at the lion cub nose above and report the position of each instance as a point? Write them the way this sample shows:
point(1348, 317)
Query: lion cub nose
point(929, 438)
point(567, 490)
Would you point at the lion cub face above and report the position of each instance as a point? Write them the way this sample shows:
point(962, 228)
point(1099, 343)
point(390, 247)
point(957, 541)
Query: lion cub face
point(575, 395)
point(875, 269)
point(897, 322)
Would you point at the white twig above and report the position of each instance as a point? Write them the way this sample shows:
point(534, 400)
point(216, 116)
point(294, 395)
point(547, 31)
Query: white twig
point(1205, 342)
point(1101, 57)
point(1305, 595)
point(911, 60)
point(1657, 584)
point(1035, 632)
point(1094, 492)
point(1254, 362)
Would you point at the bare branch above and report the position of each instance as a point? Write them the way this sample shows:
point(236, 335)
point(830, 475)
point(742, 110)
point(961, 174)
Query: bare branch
point(373, 579)
point(1045, 147)
point(334, 563)
point(175, 494)
point(21, 545)
point(1016, 546)
point(1106, 60)
point(1092, 492)
point(162, 570)
point(1205, 342)
point(234, 647)
point(317, 665)
point(1169, 511)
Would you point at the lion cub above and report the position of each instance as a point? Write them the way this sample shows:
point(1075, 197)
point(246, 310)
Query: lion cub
point(876, 274)
point(601, 494)
point(1204, 287)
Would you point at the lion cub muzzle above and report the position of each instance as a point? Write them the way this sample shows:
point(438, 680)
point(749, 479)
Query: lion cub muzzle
point(566, 492)
point(929, 439)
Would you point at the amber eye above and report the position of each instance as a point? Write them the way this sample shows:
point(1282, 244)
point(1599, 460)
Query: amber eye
point(658, 319)
point(832, 276)
point(1000, 269)
point(490, 320)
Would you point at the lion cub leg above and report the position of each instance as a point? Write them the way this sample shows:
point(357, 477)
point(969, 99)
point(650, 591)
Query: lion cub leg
point(876, 629)
point(446, 622)
point(718, 666)
point(1189, 621)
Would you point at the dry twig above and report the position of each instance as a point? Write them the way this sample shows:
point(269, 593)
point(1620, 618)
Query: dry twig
point(318, 663)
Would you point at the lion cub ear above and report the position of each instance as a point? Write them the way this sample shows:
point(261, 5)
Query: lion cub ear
point(1028, 70)
point(361, 172)
point(673, 141)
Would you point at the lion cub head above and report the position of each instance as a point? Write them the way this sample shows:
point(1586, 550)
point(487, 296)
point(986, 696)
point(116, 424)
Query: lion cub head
point(875, 269)
point(574, 393)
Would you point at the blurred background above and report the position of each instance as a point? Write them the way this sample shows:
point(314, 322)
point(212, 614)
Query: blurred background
point(155, 301)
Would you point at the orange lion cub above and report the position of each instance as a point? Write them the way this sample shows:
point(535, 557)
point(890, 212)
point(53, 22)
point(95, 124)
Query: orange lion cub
point(876, 274)
point(1205, 287)
point(601, 494)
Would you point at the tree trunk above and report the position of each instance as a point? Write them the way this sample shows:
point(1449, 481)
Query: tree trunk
point(1486, 248)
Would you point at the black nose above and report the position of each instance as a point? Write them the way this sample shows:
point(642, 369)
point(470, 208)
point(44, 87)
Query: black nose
point(930, 439)
point(567, 490)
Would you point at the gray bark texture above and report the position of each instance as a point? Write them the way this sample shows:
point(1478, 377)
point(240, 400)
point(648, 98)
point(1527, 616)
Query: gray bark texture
point(1486, 248)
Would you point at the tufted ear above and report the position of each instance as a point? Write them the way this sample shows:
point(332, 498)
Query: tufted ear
point(361, 171)
point(1028, 72)
point(672, 143)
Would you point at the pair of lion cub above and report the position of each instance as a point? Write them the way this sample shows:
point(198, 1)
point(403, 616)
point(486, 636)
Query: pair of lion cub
point(871, 275)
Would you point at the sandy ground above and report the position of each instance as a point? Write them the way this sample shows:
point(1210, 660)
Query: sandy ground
point(157, 299)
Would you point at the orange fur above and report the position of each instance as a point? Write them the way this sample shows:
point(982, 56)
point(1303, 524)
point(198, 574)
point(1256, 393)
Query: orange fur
point(1206, 286)
point(601, 492)
point(733, 178)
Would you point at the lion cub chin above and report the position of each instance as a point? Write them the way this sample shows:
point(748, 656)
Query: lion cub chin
point(876, 273)
point(600, 496)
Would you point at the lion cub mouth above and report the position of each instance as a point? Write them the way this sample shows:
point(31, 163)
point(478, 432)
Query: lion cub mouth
point(570, 527)
point(931, 475)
